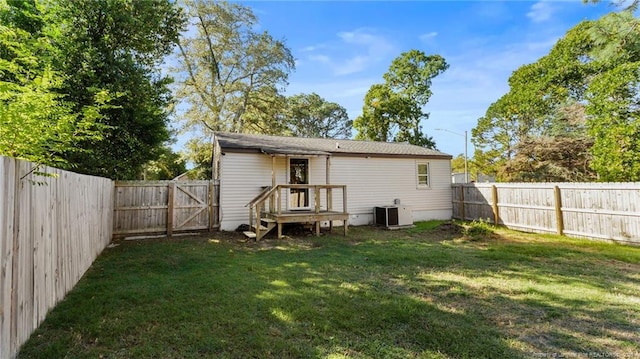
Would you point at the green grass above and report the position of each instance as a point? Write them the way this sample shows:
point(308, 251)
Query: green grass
point(425, 292)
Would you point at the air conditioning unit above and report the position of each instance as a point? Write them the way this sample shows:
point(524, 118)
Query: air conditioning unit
point(392, 216)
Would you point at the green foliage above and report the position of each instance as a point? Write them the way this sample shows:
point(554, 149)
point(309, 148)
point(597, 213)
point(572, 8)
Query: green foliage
point(118, 45)
point(538, 130)
point(626, 5)
point(478, 229)
point(36, 121)
point(392, 111)
point(37, 125)
point(550, 159)
point(24, 15)
point(199, 151)
point(230, 76)
point(167, 166)
point(82, 80)
point(309, 115)
point(457, 166)
point(614, 110)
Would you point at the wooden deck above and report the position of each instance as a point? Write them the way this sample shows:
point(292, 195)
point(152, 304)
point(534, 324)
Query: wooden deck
point(309, 217)
point(266, 210)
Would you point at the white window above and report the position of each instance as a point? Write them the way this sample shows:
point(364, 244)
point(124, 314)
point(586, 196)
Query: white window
point(422, 175)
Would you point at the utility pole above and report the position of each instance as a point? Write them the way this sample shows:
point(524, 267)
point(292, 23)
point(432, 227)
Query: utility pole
point(466, 156)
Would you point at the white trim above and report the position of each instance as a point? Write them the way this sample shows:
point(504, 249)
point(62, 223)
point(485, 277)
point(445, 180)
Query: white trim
point(288, 170)
point(417, 174)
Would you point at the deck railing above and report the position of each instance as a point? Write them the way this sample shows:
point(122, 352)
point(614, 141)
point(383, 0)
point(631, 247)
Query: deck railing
point(269, 201)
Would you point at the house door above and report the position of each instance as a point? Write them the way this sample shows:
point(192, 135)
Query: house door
point(298, 174)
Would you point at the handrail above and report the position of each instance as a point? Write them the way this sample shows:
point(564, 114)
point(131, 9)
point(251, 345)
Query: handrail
point(268, 191)
point(310, 186)
point(264, 194)
point(257, 206)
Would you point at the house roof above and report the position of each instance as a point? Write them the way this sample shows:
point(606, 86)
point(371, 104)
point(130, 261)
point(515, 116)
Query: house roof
point(320, 146)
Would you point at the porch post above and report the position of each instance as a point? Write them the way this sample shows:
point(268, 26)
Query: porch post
point(329, 191)
point(273, 171)
point(272, 202)
point(328, 170)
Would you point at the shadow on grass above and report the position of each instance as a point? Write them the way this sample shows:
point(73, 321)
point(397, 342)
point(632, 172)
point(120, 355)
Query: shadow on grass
point(376, 294)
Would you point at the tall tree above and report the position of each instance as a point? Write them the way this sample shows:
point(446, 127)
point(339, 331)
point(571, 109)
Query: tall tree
point(457, 166)
point(229, 69)
point(167, 166)
point(614, 109)
point(36, 122)
point(538, 131)
point(117, 46)
point(394, 110)
point(309, 115)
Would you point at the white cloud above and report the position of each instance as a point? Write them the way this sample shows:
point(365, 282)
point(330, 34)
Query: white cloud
point(320, 58)
point(346, 90)
point(541, 11)
point(352, 65)
point(353, 51)
point(428, 37)
point(312, 48)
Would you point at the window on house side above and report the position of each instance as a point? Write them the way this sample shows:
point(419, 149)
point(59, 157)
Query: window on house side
point(423, 174)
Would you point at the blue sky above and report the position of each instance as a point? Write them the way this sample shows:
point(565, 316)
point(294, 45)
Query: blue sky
point(344, 47)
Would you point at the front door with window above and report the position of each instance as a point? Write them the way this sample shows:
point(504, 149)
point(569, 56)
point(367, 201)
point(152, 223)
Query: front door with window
point(299, 174)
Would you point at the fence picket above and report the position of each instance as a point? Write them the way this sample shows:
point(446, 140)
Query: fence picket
point(164, 207)
point(50, 233)
point(592, 210)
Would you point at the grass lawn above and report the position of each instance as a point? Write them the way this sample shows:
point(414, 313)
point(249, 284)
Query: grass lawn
point(426, 292)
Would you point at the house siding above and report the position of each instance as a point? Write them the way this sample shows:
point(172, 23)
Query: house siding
point(241, 177)
point(379, 181)
point(370, 182)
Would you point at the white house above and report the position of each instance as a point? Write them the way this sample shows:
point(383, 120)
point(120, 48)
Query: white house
point(250, 167)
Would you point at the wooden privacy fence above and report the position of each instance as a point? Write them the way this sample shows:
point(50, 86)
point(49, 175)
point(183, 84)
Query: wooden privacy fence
point(593, 210)
point(145, 208)
point(51, 230)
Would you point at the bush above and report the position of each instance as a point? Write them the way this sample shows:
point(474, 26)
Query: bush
point(478, 228)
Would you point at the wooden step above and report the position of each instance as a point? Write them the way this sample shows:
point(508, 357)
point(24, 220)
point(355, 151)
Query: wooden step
point(250, 234)
point(268, 220)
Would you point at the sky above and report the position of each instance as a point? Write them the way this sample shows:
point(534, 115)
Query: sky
point(343, 47)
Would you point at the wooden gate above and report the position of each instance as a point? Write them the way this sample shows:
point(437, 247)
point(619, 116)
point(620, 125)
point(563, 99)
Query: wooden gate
point(145, 208)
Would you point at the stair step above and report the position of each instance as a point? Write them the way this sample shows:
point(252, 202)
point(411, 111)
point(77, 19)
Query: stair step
point(268, 220)
point(249, 234)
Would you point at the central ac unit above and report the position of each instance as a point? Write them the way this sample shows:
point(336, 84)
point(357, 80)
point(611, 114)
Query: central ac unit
point(393, 216)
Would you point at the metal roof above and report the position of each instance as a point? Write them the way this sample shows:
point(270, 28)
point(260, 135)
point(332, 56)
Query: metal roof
point(320, 146)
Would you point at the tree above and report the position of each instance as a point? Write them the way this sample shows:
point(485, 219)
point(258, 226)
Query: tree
point(117, 46)
point(550, 159)
point(614, 110)
point(200, 152)
point(230, 69)
point(167, 166)
point(457, 166)
point(616, 31)
point(532, 131)
point(394, 110)
point(309, 115)
point(36, 122)
point(497, 134)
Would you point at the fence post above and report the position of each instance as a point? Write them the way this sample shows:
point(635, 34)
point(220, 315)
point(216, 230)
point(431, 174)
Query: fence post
point(496, 210)
point(211, 201)
point(172, 189)
point(12, 315)
point(559, 219)
point(462, 201)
